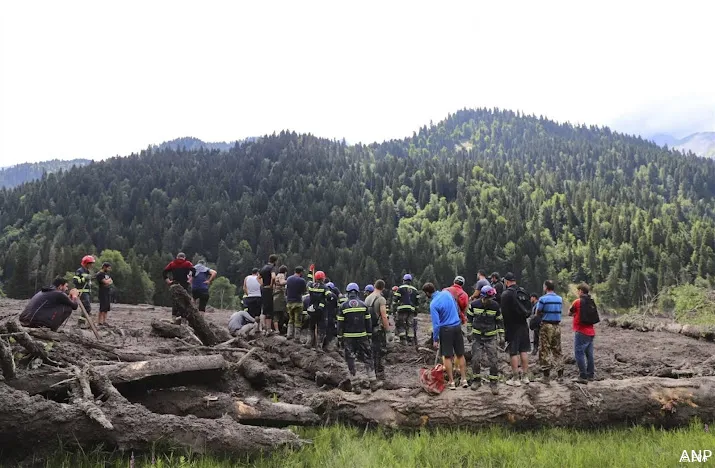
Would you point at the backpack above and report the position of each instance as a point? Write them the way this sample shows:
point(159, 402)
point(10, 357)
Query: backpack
point(523, 300)
point(588, 314)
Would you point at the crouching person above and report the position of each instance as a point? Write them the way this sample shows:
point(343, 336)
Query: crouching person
point(239, 320)
point(487, 329)
point(50, 307)
point(354, 329)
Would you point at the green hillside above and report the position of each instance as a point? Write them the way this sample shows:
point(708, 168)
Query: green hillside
point(482, 189)
point(16, 175)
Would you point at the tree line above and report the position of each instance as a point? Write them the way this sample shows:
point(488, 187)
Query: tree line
point(484, 188)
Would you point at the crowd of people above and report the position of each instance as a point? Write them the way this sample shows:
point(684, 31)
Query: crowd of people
point(308, 308)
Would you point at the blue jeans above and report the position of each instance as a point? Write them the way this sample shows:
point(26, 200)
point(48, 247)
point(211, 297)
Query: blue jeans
point(583, 351)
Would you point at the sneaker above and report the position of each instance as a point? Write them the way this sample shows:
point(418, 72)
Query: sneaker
point(465, 384)
point(452, 386)
point(513, 382)
point(525, 380)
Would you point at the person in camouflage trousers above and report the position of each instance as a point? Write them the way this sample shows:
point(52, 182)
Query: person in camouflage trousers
point(549, 309)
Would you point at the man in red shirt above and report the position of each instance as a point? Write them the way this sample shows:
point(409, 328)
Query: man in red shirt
point(583, 338)
point(461, 297)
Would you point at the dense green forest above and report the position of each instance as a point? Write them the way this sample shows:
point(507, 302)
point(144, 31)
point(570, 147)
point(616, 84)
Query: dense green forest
point(16, 175)
point(482, 189)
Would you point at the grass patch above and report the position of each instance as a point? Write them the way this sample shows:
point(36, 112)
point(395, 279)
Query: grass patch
point(345, 447)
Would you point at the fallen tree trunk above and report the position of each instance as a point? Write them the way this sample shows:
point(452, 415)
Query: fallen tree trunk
point(645, 324)
point(642, 400)
point(191, 401)
point(34, 424)
point(183, 302)
point(45, 381)
point(317, 366)
point(35, 349)
point(113, 351)
point(7, 362)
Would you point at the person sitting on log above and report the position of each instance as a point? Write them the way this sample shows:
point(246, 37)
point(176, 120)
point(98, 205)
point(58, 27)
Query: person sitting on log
point(50, 307)
point(239, 320)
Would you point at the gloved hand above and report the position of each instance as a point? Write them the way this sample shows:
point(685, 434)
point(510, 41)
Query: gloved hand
point(390, 336)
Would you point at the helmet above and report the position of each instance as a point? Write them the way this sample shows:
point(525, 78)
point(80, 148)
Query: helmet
point(330, 285)
point(87, 259)
point(319, 275)
point(395, 288)
point(407, 277)
point(488, 291)
point(369, 288)
point(459, 280)
point(352, 287)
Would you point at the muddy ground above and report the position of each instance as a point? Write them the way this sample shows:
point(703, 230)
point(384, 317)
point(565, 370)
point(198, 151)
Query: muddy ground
point(620, 353)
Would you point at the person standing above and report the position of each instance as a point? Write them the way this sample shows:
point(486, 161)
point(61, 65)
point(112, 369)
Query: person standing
point(268, 277)
point(319, 295)
point(447, 332)
point(354, 328)
point(201, 283)
point(584, 335)
point(407, 300)
point(377, 306)
point(280, 319)
point(497, 284)
point(534, 323)
point(82, 280)
point(104, 282)
point(517, 331)
point(252, 293)
point(296, 286)
point(332, 304)
point(487, 328)
point(180, 270)
point(549, 310)
point(481, 282)
point(461, 297)
point(51, 306)
point(369, 289)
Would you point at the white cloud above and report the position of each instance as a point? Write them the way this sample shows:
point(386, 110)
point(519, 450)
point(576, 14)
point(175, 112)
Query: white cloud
point(94, 79)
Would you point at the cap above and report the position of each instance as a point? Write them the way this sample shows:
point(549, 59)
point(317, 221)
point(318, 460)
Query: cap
point(509, 277)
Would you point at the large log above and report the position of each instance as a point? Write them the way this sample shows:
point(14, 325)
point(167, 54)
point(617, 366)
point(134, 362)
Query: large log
point(45, 381)
point(35, 425)
point(7, 362)
point(645, 324)
point(642, 400)
point(112, 351)
point(191, 401)
point(318, 366)
point(183, 302)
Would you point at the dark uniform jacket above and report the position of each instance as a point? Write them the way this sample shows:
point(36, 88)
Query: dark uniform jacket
point(354, 320)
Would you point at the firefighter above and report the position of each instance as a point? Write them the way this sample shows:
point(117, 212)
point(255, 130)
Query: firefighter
point(369, 289)
point(487, 329)
point(331, 328)
point(82, 280)
point(319, 297)
point(406, 300)
point(354, 329)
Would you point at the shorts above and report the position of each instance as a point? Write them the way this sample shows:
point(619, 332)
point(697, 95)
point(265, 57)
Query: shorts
point(104, 302)
point(451, 341)
point(253, 304)
point(519, 341)
point(267, 300)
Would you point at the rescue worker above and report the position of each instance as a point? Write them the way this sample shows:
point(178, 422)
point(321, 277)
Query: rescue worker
point(487, 329)
point(295, 288)
point(406, 300)
point(333, 304)
point(302, 336)
point(82, 280)
point(319, 295)
point(51, 306)
point(369, 289)
point(392, 304)
point(180, 270)
point(377, 306)
point(354, 329)
point(104, 282)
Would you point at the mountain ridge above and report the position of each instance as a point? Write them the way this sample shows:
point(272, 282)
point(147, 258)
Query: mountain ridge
point(19, 174)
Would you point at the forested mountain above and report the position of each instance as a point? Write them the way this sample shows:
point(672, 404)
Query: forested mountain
point(194, 144)
point(702, 144)
point(482, 189)
point(21, 173)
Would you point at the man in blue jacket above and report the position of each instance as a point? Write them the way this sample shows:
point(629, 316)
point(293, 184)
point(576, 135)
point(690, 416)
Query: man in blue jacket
point(549, 309)
point(447, 332)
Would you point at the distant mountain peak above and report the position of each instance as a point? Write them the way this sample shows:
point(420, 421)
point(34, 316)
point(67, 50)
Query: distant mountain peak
point(193, 144)
point(700, 143)
point(26, 172)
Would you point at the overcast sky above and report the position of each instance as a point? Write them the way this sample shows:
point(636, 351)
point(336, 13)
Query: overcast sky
point(96, 79)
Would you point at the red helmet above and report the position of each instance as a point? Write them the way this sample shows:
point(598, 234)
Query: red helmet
point(87, 259)
point(319, 275)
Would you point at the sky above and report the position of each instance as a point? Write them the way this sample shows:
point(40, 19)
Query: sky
point(97, 79)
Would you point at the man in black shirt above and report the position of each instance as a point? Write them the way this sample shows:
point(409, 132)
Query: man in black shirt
point(517, 332)
point(105, 285)
point(50, 307)
point(268, 277)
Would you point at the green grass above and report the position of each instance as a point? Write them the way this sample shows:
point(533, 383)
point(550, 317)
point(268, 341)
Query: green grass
point(498, 447)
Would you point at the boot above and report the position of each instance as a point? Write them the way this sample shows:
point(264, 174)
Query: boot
point(310, 342)
point(291, 331)
point(477, 382)
point(560, 376)
point(546, 379)
point(493, 387)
